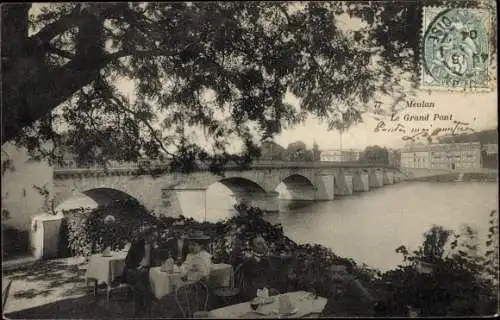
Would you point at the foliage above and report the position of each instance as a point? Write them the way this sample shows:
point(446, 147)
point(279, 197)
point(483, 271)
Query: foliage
point(316, 152)
point(86, 232)
point(374, 155)
point(295, 151)
point(221, 66)
point(49, 203)
point(462, 282)
point(270, 150)
point(241, 228)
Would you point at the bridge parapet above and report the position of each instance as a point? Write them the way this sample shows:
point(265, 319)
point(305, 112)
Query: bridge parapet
point(73, 165)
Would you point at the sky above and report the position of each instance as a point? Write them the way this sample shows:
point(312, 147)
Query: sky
point(478, 109)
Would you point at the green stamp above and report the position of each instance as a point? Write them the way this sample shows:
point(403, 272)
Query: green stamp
point(455, 49)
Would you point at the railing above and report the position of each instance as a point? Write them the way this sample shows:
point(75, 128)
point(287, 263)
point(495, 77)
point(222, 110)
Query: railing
point(73, 165)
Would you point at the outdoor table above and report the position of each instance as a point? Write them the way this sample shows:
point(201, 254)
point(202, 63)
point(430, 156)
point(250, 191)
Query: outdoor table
point(302, 300)
point(163, 283)
point(106, 269)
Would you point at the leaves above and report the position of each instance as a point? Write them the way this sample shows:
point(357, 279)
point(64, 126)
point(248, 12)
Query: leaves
point(197, 66)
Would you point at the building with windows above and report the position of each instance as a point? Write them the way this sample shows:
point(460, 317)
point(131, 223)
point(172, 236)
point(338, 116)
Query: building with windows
point(456, 156)
point(451, 156)
point(338, 155)
point(416, 156)
point(394, 158)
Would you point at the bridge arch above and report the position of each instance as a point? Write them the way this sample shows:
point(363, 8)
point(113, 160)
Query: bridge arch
point(95, 198)
point(243, 190)
point(297, 187)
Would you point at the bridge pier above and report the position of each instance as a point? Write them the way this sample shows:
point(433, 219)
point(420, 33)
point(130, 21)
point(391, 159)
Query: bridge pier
point(388, 177)
point(326, 191)
point(343, 184)
point(360, 181)
point(376, 179)
point(302, 194)
point(178, 201)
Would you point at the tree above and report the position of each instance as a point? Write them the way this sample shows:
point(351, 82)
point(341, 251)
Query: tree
point(316, 152)
point(270, 150)
point(296, 151)
point(60, 68)
point(375, 155)
point(462, 281)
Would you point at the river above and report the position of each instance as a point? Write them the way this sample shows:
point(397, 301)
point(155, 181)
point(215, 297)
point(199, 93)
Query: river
point(369, 226)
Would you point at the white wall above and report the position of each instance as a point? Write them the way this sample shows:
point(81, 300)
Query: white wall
point(18, 195)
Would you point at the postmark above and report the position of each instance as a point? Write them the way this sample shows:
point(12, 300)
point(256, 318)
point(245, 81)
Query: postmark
point(455, 49)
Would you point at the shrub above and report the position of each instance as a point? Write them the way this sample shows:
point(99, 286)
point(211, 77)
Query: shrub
point(462, 282)
point(87, 232)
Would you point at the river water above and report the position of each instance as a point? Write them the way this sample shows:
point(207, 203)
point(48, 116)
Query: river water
point(369, 226)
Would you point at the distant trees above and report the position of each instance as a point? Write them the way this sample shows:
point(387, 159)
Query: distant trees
point(316, 152)
point(270, 150)
point(295, 151)
point(374, 154)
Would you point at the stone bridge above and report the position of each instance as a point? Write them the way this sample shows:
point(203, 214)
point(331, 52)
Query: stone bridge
point(261, 185)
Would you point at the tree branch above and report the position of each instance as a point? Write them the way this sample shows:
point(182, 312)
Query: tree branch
point(61, 53)
point(51, 30)
point(48, 88)
point(120, 105)
point(146, 53)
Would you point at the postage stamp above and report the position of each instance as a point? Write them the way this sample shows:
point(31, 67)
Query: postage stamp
point(455, 49)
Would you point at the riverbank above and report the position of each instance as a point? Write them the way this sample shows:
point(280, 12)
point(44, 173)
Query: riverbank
point(461, 177)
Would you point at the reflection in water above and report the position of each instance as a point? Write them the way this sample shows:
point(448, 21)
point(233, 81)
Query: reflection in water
point(369, 226)
point(290, 205)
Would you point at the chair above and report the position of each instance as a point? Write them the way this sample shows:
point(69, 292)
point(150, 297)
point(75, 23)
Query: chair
point(236, 285)
point(5, 294)
point(192, 299)
point(273, 292)
point(118, 283)
point(312, 315)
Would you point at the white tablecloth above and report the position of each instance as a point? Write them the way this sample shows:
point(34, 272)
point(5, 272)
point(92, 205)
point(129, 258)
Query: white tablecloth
point(106, 269)
point(301, 300)
point(162, 283)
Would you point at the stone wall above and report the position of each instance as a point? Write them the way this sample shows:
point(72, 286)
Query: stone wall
point(19, 196)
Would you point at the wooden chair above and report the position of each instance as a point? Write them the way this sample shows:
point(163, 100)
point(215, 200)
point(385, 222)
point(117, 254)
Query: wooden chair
point(117, 284)
point(312, 315)
point(236, 285)
point(5, 294)
point(192, 299)
point(273, 292)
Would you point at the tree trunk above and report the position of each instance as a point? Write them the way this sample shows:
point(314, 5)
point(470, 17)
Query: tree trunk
point(30, 87)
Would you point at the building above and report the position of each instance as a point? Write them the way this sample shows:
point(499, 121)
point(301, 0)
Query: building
point(338, 155)
point(20, 198)
point(490, 148)
point(451, 156)
point(394, 158)
point(416, 156)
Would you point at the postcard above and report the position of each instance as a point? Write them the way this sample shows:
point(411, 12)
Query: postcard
point(249, 159)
